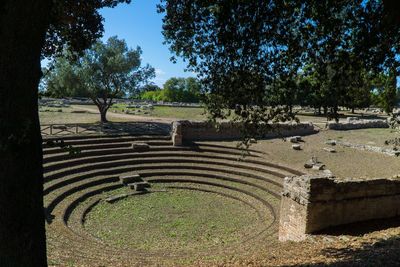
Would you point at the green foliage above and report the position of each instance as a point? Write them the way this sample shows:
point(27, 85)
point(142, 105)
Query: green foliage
point(176, 90)
point(251, 54)
point(76, 24)
point(104, 72)
point(384, 91)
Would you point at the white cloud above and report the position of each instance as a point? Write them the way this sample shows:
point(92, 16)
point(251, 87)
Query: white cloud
point(160, 72)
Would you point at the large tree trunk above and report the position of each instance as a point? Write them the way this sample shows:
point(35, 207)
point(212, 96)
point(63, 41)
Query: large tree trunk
point(23, 25)
point(103, 115)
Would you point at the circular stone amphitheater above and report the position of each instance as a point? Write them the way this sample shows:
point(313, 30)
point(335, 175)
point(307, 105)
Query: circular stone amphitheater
point(133, 200)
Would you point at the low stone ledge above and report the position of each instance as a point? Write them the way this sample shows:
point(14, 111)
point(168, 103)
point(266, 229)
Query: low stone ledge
point(357, 124)
point(377, 149)
point(313, 203)
point(205, 131)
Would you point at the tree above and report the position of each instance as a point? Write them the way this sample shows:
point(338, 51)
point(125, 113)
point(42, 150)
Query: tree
point(238, 49)
point(24, 29)
point(62, 80)
point(384, 91)
point(241, 48)
point(176, 90)
point(104, 72)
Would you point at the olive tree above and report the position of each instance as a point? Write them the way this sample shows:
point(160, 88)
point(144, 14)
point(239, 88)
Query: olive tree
point(104, 72)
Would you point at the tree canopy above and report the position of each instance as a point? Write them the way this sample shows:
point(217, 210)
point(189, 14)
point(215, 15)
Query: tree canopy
point(104, 72)
point(247, 51)
point(75, 24)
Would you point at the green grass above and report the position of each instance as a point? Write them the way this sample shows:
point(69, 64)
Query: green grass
point(67, 115)
point(172, 220)
point(373, 136)
point(186, 113)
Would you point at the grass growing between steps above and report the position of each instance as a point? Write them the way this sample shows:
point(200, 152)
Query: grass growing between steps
point(175, 220)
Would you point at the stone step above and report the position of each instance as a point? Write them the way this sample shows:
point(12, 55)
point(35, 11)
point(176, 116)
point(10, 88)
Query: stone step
point(115, 198)
point(139, 186)
point(140, 147)
point(130, 179)
point(80, 140)
point(100, 159)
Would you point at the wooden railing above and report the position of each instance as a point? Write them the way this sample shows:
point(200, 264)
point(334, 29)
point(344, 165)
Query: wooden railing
point(105, 128)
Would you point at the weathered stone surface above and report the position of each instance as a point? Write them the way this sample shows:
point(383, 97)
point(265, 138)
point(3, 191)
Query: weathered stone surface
point(140, 147)
point(331, 142)
point(357, 124)
point(130, 178)
point(198, 130)
point(318, 166)
point(298, 138)
point(383, 150)
point(311, 203)
point(177, 139)
point(330, 150)
point(309, 164)
point(296, 147)
point(351, 119)
point(293, 139)
point(139, 186)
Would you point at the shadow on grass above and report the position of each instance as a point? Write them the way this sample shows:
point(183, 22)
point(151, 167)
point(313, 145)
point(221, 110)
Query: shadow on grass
point(378, 252)
point(361, 228)
point(385, 252)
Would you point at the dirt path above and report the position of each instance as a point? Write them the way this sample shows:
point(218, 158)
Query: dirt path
point(125, 117)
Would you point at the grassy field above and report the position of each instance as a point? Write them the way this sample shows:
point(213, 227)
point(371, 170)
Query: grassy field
point(346, 162)
point(187, 113)
point(118, 113)
point(175, 220)
point(90, 114)
point(66, 115)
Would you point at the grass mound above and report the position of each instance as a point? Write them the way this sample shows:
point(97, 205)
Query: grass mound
point(180, 220)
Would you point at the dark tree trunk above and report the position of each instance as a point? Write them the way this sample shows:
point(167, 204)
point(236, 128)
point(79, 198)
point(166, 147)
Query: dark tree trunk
point(103, 107)
point(352, 110)
point(103, 115)
point(23, 25)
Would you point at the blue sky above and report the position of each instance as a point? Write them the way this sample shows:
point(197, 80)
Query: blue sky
point(140, 25)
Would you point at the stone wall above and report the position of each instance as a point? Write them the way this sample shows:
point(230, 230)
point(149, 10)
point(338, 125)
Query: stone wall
point(186, 131)
point(313, 203)
point(357, 124)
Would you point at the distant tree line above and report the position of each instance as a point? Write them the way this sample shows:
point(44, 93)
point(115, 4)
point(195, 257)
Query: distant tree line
point(174, 90)
point(355, 89)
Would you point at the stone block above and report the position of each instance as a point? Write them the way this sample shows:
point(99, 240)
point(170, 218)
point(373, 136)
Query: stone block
point(309, 164)
point(130, 178)
point(140, 147)
point(318, 166)
point(312, 203)
point(177, 139)
point(296, 147)
point(331, 142)
point(139, 186)
point(330, 150)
